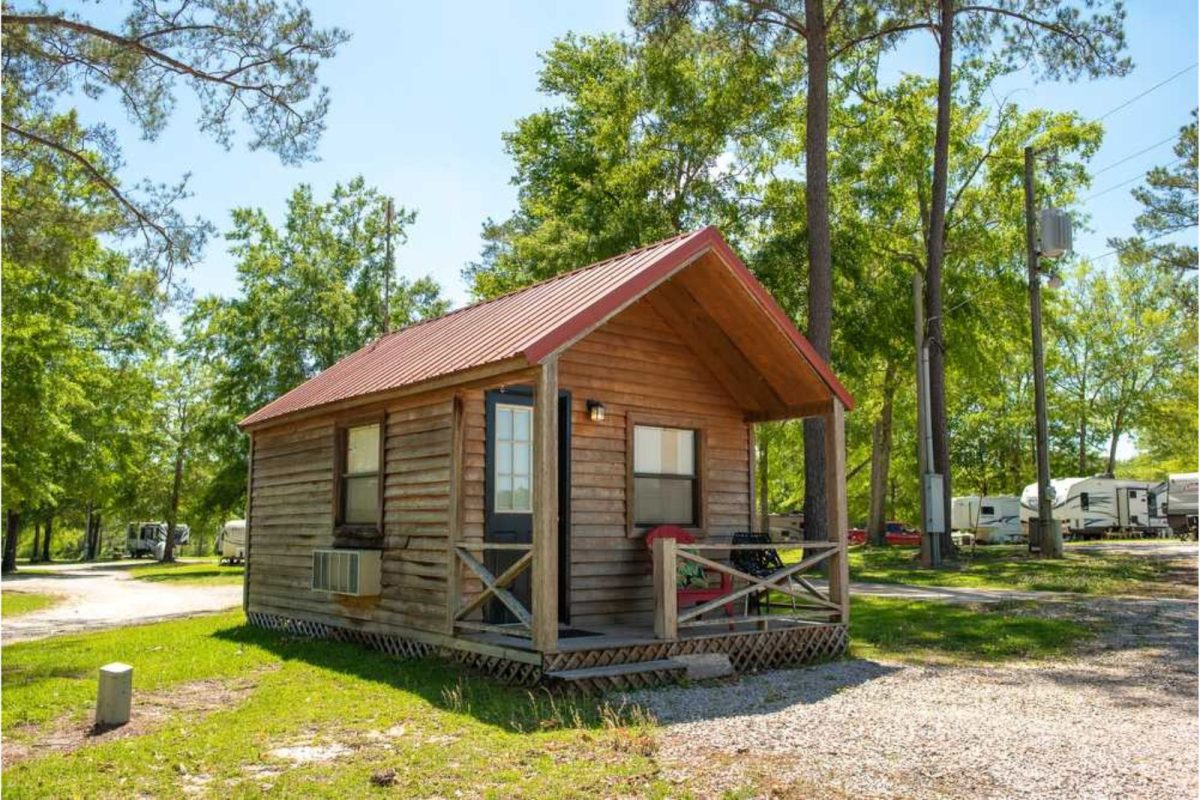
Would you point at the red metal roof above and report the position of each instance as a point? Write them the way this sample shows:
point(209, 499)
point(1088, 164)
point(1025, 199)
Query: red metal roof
point(532, 323)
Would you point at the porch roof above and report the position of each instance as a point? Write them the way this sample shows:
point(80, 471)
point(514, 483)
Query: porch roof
point(532, 324)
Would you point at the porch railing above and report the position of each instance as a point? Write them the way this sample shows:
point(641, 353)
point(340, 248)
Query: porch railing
point(808, 603)
point(494, 586)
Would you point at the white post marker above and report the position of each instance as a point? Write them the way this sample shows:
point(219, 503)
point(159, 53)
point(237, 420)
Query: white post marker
point(115, 696)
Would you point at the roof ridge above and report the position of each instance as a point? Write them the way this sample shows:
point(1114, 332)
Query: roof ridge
point(377, 341)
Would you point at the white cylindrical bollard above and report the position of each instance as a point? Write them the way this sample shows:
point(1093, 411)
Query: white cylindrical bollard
point(115, 696)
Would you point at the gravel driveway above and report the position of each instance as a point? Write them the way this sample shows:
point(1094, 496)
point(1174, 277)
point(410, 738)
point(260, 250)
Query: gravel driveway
point(104, 596)
point(1118, 720)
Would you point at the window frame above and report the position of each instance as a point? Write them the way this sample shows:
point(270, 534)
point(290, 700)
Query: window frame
point(494, 488)
point(700, 449)
point(341, 440)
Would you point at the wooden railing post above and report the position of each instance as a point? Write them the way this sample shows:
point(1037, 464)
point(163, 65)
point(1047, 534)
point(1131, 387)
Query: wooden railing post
point(545, 507)
point(666, 612)
point(836, 504)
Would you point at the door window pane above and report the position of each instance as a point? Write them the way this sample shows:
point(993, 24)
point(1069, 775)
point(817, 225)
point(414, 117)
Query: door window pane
point(512, 454)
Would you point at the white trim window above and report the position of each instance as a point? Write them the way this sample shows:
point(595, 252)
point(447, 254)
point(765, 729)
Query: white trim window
point(513, 490)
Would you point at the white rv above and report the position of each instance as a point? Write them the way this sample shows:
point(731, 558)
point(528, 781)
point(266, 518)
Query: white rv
point(150, 538)
point(993, 519)
point(1183, 496)
point(231, 543)
point(1092, 507)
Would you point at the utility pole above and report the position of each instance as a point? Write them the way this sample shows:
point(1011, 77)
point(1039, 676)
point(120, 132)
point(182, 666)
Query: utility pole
point(931, 550)
point(387, 270)
point(1049, 535)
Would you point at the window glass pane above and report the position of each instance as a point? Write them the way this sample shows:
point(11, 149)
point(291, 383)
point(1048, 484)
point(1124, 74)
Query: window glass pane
point(664, 500)
point(521, 495)
point(504, 458)
point(521, 457)
point(987, 510)
point(362, 449)
point(521, 418)
point(504, 493)
point(664, 451)
point(361, 500)
point(503, 423)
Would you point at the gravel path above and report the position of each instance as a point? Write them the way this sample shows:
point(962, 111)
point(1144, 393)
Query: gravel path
point(1118, 720)
point(99, 596)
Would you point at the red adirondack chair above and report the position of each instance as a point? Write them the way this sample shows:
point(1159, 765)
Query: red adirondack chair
point(691, 595)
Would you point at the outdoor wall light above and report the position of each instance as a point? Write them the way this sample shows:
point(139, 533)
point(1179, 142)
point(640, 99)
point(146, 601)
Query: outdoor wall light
point(596, 410)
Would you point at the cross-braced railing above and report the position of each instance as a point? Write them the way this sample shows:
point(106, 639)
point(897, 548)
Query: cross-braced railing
point(494, 586)
point(808, 603)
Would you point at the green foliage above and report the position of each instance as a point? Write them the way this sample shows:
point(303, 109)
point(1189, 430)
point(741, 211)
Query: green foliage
point(311, 293)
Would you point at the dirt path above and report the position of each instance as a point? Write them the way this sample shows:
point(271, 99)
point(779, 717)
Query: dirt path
point(98, 596)
point(1117, 720)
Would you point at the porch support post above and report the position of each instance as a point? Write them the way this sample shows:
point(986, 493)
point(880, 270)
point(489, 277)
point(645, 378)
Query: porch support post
point(457, 459)
point(836, 504)
point(545, 506)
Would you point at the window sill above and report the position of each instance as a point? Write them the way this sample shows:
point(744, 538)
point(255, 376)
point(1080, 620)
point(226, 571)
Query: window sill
point(358, 536)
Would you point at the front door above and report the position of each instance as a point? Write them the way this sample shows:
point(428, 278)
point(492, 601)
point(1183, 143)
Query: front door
point(508, 492)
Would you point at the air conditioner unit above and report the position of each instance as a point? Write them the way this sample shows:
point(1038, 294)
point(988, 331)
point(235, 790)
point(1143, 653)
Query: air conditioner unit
point(352, 572)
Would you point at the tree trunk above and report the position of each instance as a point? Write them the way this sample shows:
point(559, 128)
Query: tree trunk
point(820, 258)
point(35, 555)
point(87, 532)
point(1117, 427)
point(12, 526)
point(46, 537)
point(173, 516)
point(881, 455)
point(764, 485)
point(933, 273)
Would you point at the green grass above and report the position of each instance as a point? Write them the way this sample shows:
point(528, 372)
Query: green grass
point(205, 573)
point(1012, 567)
point(458, 733)
point(924, 631)
point(16, 603)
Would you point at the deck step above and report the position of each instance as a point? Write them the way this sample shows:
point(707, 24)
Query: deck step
point(636, 673)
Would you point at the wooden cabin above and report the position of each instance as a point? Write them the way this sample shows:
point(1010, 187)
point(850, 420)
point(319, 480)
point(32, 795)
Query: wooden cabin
point(480, 485)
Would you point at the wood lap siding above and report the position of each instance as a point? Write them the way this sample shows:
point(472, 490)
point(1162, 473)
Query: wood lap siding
point(637, 363)
point(292, 514)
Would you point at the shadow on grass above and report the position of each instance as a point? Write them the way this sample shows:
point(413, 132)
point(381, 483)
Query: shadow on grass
point(454, 688)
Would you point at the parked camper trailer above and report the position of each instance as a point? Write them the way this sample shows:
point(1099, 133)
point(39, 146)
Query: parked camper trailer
point(1183, 497)
point(993, 519)
point(1092, 507)
point(149, 538)
point(231, 542)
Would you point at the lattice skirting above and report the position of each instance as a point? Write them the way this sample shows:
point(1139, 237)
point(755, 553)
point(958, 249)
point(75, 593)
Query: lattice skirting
point(509, 671)
point(748, 652)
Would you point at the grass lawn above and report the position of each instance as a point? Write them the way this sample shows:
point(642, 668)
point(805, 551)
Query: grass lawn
point(14, 603)
point(1012, 567)
point(203, 573)
point(224, 709)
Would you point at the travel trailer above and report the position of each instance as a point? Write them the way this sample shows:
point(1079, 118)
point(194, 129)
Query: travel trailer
point(149, 538)
point(231, 542)
point(1092, 507)
point(993, 519)
point(1183, 492)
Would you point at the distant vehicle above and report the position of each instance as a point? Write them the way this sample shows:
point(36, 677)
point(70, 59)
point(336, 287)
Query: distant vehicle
point(231, 542)
point(150, 538)
point(786, 526)
point(1088, 508)
point(1183, 497)
point(993, 519)
point(899, 534)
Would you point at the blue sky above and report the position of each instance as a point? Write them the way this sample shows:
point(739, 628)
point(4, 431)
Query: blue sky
point(423, 91)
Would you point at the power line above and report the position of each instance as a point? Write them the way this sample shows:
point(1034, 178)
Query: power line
point(1118, 250)
point(1127, 182)
point(1132, 156)
point(1137, 97)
